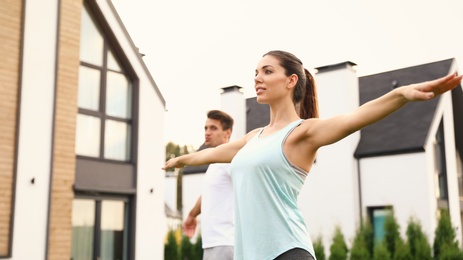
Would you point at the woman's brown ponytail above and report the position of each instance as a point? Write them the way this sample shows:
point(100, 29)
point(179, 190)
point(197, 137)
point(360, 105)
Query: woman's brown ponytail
point(308, 108)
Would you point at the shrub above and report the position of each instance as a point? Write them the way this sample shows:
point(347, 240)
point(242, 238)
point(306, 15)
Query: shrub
point(198, 247)
point(445, 239)
point(368, 235)
point(420, 248)
point(362, 247)
point(450, 252)
point(402, 251)
point(319, 248)
point(338, 249)
point(381, 252)
point(359, 249)
point(171, 250)
point(186, 249)
point(392, 233)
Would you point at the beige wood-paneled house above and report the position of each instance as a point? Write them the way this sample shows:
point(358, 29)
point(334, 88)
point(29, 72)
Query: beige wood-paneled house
point(81, 128)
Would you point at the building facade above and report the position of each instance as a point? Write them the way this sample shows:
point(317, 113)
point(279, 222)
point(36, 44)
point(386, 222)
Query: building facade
point(81, 138)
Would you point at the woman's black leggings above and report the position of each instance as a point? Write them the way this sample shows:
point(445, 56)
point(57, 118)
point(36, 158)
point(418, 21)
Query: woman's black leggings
point(295, 254)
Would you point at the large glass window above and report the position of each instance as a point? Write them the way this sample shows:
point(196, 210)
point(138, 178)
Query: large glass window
point(99, 229)
point(104, 122)
point(91, 41)
point(83, 226)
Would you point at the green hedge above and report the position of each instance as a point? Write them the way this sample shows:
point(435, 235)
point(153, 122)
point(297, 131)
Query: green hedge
point(414, 246)
point(183, 250)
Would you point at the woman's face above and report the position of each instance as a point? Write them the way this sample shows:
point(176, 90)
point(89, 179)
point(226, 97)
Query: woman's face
point(270, 81)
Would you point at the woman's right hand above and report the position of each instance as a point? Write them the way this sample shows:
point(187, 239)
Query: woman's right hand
point(173, 163)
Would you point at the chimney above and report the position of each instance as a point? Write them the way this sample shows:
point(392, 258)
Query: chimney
point(338, 89)
point(338, 93)
point(233, 103)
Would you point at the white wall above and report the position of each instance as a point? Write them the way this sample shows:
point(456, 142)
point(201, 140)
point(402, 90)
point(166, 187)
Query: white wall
point(31, 201)
point(403, 181)
point(151, 224)
point(192, 188)
point(170, 191)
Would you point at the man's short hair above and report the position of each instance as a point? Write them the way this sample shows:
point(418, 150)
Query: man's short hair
point(225, 119)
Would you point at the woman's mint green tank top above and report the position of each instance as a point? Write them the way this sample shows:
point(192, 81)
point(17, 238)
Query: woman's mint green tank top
point(268, 221)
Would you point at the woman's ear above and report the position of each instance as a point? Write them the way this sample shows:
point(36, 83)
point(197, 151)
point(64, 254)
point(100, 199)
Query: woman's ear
point(292, 81)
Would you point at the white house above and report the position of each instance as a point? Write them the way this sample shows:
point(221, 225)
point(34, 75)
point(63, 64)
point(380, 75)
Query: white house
point(411, 161)
point(81, 136)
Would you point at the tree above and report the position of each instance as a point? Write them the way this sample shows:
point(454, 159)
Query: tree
point(402, 251)
point(319, 248)
point(171, 251)
point(172, 150)
point(445, 244)
point(186, 249)
point(360, 247)
point(338, 248)
point(392, 233)
point(381, 252)
point(198, 247)
point(420, 248)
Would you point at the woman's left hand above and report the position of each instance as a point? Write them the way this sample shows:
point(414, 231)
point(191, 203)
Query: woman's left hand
point(431, 89)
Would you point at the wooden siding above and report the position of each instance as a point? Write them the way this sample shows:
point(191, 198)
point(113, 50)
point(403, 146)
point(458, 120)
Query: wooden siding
point(10, 49)
point(64, 157)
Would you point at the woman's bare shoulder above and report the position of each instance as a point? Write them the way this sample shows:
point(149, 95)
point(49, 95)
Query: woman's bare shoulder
point(311, 122)
point(252, 133)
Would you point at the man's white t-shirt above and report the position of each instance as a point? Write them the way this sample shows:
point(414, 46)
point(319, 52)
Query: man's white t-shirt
point(217, 212)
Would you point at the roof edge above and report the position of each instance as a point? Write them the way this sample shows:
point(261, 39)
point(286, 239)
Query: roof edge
point(386, 153)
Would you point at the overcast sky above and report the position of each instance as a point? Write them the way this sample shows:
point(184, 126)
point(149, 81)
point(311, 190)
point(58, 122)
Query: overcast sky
point(195, 48)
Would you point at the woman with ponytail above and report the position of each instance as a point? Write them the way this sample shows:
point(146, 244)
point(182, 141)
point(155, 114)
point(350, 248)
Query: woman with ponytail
point(269, 164)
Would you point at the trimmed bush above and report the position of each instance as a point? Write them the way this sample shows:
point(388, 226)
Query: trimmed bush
point(362, 247)
point(359, 249)
point(392, 233)
point(186, 249)
point(368, 235)
point(198, 247)
point(420, 249)
point(338, 249)
point(450, 252)
point(171, 250)
point(381, 252)
point(319, 248)
point(402, 251)
point(445, 241)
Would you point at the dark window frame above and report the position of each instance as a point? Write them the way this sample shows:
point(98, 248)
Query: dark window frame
point(110, 44)
point(122, 173)
point(370, 212)
point(130, 222)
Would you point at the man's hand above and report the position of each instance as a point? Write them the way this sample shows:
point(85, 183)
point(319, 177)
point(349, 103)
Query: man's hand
point(189, 226)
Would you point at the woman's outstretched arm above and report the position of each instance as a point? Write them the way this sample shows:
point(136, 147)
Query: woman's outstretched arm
point(334, 129)
point(223, 153)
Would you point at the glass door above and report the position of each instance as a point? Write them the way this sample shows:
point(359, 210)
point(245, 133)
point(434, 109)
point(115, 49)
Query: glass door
point(99, 229)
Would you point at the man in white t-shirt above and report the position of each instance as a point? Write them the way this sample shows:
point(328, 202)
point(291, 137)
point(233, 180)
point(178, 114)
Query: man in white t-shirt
point(216, 202)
